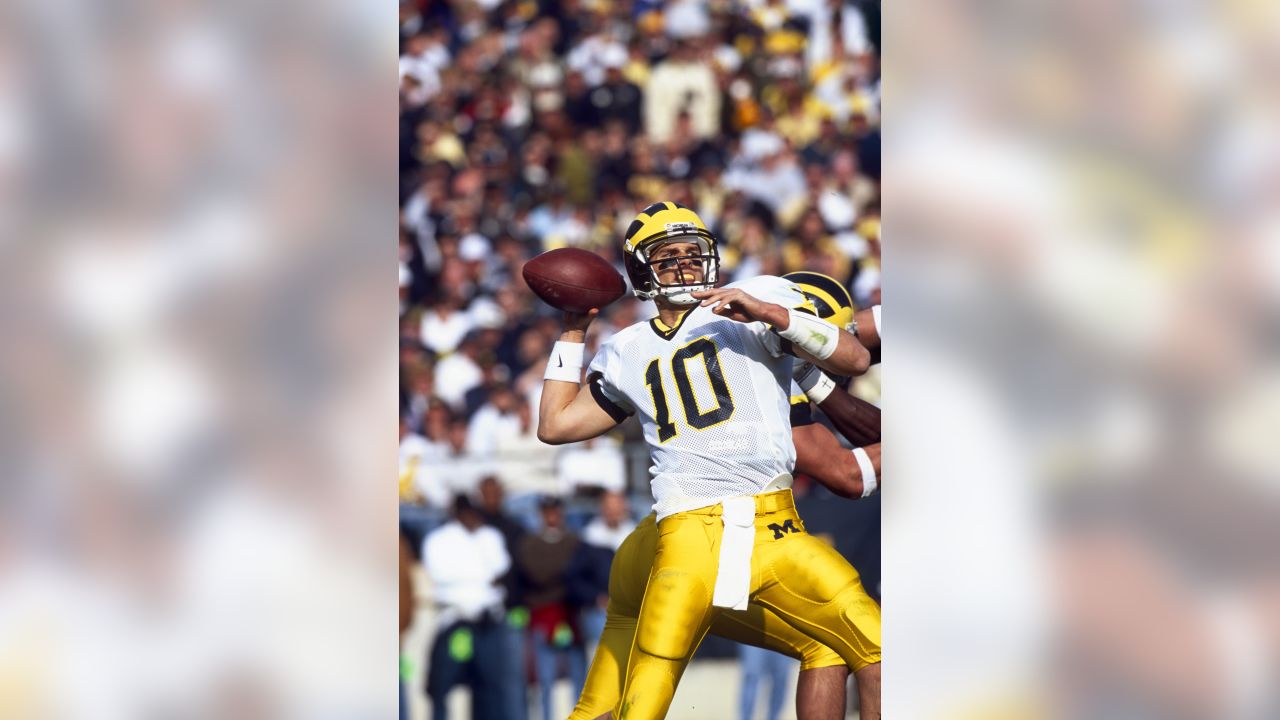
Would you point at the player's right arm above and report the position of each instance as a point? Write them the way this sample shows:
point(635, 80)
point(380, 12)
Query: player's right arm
point(569, 411)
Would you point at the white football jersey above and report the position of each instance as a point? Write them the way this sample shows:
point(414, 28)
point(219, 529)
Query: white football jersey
point(713, 396)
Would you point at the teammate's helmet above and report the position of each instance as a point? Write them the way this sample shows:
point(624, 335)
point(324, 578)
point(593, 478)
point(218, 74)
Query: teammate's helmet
point(829, 297)
point(657, 225)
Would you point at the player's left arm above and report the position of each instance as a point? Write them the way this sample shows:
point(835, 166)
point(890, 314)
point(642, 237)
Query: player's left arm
point(854, 418)
point(812, 339)
point(868, 324)
point(849, 474)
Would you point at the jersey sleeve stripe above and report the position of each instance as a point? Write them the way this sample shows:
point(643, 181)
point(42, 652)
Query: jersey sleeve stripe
point(615, 410)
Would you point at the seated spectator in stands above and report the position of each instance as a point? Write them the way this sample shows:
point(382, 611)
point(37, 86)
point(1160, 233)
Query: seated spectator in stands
point(459, 372)
point(457, 472)
point(495, 419)
point(444, 325)
point(598, 463)
point(415, 453)
point(522, 461)
point(618, 99)
point(810, 247)
point(682, 82)
point(612, 524)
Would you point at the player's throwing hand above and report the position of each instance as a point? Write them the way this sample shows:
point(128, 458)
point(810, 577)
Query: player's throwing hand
point(578, 322)
point(735, 304)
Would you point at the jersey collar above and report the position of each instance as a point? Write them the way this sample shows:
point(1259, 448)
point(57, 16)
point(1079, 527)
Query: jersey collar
point(664, 332)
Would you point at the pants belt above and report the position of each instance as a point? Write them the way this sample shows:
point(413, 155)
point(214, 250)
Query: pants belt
point(765, 504)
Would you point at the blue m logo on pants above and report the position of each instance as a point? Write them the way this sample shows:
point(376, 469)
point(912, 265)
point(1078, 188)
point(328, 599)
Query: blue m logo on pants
point(786, 527)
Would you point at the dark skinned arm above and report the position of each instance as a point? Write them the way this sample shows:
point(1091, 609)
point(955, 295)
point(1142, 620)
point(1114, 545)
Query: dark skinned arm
point(820, 455)
point(856, 419)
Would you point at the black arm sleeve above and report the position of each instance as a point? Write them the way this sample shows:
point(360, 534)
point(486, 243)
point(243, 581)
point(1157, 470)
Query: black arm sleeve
point(616, 411)
point(801, 413)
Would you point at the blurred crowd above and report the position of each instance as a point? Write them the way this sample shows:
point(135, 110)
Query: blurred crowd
point(526, 127)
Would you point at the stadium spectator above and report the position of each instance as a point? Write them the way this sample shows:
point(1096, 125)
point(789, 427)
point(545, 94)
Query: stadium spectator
point(587, 584)
point(496, 419)
point(596, 463)
point(415, 453)
point(460, 371)
point(521, 459)
point(543, 561)
point(682, 83)
point(612, 524)
point(457, 471)
point(464, 560)
point(516, 622)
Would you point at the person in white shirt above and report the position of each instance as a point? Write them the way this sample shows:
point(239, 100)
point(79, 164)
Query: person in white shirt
point(498, 418)
point(459, 471)
point(464, 559)
point(612, 525)
point(444, 326)
point(597, 463)
point(416, 452)
point(459, 372)
point(683, 82)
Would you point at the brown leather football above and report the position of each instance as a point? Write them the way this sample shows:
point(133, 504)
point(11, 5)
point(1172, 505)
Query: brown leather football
point(573, 279)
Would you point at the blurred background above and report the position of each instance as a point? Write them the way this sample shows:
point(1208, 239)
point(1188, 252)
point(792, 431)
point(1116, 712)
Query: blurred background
point(196, 385)
point(528, 126)
point(195, 395)
point(1082, 298)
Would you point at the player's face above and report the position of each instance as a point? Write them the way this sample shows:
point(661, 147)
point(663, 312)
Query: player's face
point(678, 263)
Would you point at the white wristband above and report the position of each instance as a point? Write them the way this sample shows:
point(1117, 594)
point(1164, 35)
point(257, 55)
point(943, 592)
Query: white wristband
point(815, 383)
point(875, 318)
point(869, 485)
point(565, 363)
point(811, 334)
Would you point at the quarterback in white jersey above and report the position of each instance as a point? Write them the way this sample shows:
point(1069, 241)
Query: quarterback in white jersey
point(710, 379)
point(717, 427)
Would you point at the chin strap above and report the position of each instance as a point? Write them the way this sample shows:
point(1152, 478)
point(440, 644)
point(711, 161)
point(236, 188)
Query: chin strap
point(682, 298)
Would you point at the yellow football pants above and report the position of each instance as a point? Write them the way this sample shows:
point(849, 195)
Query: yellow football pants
point(627, 578)
point(798, 577)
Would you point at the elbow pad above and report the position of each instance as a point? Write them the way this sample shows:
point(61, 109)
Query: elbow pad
point(811, 334)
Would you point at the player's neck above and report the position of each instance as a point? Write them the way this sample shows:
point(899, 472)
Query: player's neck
point(669, 313)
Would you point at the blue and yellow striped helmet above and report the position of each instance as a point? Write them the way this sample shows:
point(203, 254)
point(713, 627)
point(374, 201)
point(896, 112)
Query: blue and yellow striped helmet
point(656, 225)
point(829, 297)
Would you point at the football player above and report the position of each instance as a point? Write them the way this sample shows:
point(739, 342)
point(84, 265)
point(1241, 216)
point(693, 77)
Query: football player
point(709, 378)
point(820, 689)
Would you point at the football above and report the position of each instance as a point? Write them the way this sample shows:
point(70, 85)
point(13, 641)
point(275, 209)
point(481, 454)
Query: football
point(573, 280)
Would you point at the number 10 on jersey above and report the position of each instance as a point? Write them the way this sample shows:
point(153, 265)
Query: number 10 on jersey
point(694, 416)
